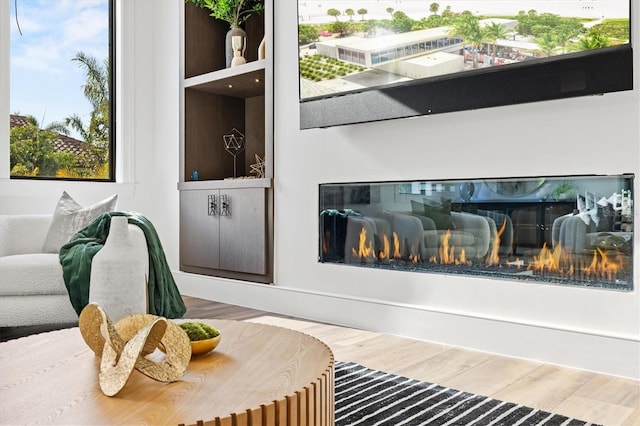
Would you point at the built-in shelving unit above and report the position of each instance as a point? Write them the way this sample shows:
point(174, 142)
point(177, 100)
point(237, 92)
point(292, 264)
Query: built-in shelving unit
point(225, 220)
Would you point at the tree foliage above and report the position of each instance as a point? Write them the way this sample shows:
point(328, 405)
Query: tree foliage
point(613, 28)
point(593, 40)
point(349, 13)
point(234, 12)
point(96, 90)
point(32, 148)
point(401, 23)
point(468, 28)
point(307, 33)
point(32, 154)
point(493, 32)
point(341, 28)
point(547, 42)
point(334, 12)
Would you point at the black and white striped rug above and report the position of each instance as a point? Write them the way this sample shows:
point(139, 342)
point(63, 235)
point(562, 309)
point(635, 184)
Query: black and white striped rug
point(371, 397)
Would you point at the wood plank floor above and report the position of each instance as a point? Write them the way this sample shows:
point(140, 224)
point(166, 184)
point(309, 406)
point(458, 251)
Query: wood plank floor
point(592, 397)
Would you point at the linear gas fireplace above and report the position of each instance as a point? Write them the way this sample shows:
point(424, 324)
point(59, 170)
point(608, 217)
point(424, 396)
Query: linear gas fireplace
point(568, 230)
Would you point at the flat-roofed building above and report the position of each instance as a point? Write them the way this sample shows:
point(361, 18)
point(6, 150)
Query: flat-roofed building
point(425, 66)
point(376, 50)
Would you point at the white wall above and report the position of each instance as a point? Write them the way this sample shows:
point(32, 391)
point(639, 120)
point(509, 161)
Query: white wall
point(585, 328)
point(147, 125)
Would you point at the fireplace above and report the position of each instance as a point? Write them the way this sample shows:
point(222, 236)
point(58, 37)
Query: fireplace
point(562, 230)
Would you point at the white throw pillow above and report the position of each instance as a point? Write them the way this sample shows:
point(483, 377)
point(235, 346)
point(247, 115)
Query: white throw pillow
point(70, 217)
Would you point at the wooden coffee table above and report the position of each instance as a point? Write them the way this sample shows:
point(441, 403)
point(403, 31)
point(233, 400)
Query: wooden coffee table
point(258, 375)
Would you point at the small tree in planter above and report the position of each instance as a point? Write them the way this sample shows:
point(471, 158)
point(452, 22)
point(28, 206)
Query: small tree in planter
point(235, 13)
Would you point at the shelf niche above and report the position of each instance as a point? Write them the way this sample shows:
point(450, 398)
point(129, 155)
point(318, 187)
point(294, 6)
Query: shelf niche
point(204, 39)
point(218, 99)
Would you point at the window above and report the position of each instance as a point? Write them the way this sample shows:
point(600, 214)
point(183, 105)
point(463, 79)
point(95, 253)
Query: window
point(62, 90)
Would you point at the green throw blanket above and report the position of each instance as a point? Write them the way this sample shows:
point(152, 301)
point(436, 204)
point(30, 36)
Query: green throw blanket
point(76, 256)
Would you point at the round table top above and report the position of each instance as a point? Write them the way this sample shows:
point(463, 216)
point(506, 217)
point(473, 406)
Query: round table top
point(258, 371)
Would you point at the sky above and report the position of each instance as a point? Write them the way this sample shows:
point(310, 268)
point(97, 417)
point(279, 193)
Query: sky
point(45, 82)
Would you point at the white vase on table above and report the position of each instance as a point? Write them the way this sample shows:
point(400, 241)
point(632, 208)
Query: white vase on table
point(118, 278)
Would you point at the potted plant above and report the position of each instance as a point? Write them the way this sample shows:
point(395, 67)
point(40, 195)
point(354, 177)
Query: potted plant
point(564, 190)
point(234, 12)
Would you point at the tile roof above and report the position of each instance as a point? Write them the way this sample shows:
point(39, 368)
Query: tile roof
point(60, 143)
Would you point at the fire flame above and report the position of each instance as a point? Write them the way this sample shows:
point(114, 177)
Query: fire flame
point(384, 253)
point(325, 242)
point(564, 264)
point(494, 258)
point(548, 261)
point(603, 268)
point(446, 252)
point(364, 250)
point(396, 246)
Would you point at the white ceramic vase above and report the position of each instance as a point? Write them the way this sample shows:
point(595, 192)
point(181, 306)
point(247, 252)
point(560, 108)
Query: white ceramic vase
point(118, 279)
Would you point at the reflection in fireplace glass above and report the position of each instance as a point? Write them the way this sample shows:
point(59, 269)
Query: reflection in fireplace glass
point(569, 230)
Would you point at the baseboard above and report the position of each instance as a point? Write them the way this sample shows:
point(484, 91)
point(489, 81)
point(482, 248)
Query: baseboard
point(583, 349)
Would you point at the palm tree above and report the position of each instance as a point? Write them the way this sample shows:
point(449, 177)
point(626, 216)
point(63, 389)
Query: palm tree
point(433, 8)
point(401, 23)
point(390, 11)
point(349, 13)
point(567, 30)
point(468, 28)
point(593, 40)
point(334, 12)
point(54, 126)
point(96, 90)
point(362, 12)
point(547, 42)
point(495, 31)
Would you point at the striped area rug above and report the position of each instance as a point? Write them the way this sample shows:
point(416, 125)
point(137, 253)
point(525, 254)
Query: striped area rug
point(371, 397)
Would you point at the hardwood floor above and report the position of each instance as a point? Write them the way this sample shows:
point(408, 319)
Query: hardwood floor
point(585, 395)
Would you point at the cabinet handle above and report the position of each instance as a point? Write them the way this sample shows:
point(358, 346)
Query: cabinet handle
point(212, 205)
point(225, 205)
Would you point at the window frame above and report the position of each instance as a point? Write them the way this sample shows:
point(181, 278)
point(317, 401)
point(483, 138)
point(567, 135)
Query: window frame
point(113, 131)
point(125, 157)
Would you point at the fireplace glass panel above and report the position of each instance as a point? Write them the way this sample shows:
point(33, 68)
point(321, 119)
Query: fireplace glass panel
point(568, 230)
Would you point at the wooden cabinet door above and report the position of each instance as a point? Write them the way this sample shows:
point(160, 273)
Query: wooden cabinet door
point(199, 230)
point(243, 231)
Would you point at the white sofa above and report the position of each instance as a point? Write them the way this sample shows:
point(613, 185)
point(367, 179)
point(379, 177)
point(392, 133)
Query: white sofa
point(32, 289)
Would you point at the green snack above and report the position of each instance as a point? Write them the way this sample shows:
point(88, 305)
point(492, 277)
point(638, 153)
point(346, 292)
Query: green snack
point(199, 331)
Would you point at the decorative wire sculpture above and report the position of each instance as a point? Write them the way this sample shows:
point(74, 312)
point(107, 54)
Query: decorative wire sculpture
point(234, 144)
point(258, 167)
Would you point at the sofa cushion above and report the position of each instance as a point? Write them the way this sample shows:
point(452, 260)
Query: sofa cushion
point(19, 311)
point(440, 214)
point(20, 234)
point(31, 274)
point(69, 217)
point(460, 238)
